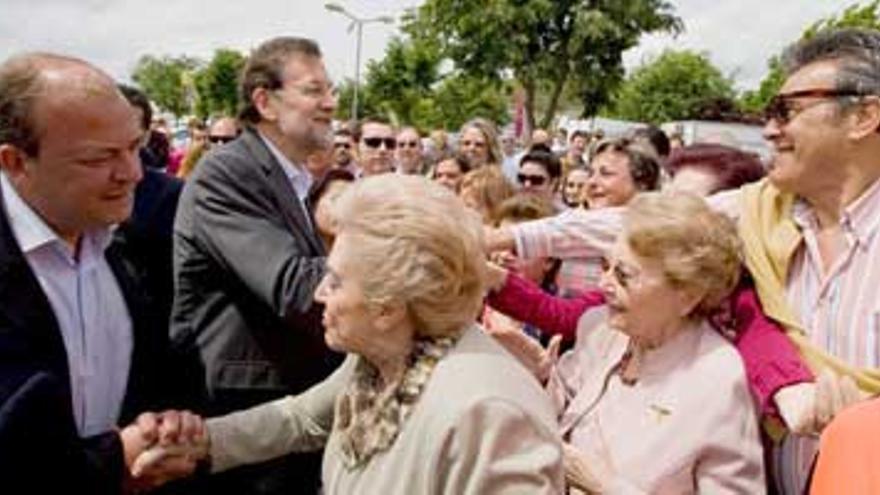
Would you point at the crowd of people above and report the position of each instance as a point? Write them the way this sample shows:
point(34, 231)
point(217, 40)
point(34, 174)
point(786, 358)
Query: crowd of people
point(287, 303)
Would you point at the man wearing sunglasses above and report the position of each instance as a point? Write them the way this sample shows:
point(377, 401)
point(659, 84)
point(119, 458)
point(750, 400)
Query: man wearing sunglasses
point(247, 258)
point(810, 231)
point(223, 130)
point(376, 147)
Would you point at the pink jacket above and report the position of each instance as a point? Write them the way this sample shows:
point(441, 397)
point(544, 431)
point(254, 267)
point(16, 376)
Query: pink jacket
point(771, 360)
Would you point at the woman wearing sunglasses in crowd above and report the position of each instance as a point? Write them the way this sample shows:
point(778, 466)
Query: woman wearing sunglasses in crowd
point(538, 174)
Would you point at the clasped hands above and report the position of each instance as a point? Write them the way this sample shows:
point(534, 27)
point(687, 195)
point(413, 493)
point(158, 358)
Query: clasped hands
point(160, 447)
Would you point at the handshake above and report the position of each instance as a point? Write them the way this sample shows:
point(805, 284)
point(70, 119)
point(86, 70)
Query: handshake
point(161, 447)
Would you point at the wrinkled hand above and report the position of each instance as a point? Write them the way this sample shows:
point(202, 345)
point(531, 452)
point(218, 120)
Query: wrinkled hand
point(498, 239)
point(496, 274)
point(586, 472)
point(527, 350)
point(162, 447)
point(807, 408)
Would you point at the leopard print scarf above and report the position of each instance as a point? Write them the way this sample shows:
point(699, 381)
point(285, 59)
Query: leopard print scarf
point(369, 417)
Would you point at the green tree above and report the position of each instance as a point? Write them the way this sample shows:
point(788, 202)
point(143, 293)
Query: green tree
point(675, 86)
point(854, 16)
point(217, 84)
point(163, 79)
point(345, 95)
point(542, 43)
point(461, 97)
point(406, 86)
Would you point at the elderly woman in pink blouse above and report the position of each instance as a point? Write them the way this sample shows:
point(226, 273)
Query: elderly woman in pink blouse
point(651, 399)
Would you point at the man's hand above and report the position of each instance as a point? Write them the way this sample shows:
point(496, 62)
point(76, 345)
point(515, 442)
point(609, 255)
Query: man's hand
point(162, 447)
point(807, 408)
point(796, 405)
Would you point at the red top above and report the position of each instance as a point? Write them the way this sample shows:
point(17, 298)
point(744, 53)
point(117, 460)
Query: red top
point(771, 360)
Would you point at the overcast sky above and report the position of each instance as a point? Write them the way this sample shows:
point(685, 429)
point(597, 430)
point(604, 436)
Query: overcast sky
point(738, 35)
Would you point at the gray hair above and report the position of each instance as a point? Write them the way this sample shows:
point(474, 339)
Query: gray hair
point(857, 52)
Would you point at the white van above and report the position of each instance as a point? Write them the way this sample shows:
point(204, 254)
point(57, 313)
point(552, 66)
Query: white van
point(743, 136)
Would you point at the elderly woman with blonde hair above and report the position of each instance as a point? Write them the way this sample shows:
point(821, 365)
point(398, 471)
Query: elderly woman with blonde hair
point(651, 399)
point(426, 402)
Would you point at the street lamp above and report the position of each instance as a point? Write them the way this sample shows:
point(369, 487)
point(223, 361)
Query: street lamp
point(356, 22)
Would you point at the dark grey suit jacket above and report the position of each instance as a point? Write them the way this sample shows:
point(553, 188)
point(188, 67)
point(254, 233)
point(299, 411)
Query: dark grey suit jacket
point(246, 264)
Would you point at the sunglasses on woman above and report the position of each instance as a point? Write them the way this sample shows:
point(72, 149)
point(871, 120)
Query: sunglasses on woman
point(535, 180)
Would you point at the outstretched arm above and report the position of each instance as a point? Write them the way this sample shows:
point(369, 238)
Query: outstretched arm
point(526, 302)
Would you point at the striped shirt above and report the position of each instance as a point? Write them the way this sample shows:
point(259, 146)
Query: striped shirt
point(839, 309)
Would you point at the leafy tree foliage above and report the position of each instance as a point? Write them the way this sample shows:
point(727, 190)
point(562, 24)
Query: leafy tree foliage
point(217, 84)
point(186, 85)
point(408, 86)
point(678, 85)
point(163, 79)
point(542, 43)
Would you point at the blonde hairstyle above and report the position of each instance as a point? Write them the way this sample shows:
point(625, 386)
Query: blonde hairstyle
point(489, 188)
point(523, 207)
point(697, 248)
point(189, 162)
point(423, 248)
point(490, 134)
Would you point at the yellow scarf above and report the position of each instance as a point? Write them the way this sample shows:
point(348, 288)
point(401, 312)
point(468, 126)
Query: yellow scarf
point(770, 238)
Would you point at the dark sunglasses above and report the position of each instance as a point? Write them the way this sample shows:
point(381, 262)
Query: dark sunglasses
point(375, 142)
point(342, 145)
point(781, 108)
point(221, 139)
point(407, 144)
point(535, 180)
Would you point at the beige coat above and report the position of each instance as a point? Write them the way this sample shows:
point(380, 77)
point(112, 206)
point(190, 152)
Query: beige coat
point(481, 426)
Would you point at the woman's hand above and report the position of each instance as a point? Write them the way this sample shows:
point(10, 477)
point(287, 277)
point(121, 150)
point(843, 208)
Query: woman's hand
point(527, 350)
point(497, 275)
point(592, 474)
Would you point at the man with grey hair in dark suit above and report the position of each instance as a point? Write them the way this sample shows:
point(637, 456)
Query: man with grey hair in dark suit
point(247, 258)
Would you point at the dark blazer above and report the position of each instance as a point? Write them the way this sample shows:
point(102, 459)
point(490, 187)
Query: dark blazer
point(148, 236)
point(246, 265)
point(39, 444)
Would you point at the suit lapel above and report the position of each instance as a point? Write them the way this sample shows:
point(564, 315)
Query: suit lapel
point(293, 210)
point(24, 307)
